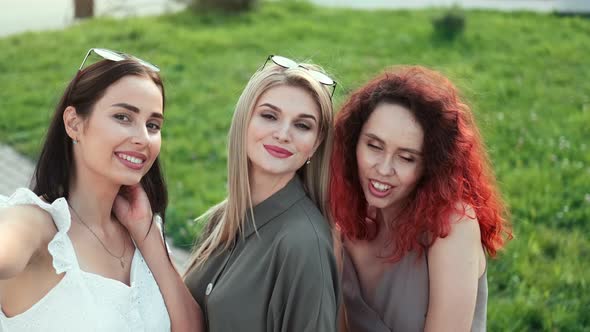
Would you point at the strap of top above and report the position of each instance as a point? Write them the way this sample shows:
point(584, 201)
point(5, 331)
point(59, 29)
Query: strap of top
point(60, 247)
point(364, 317)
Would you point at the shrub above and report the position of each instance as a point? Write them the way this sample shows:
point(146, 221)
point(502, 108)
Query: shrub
point(223, 5)
point(450, 25)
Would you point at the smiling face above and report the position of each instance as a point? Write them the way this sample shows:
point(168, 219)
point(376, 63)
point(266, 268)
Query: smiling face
point(389, 156)
point(283, 132)
point(120, 140)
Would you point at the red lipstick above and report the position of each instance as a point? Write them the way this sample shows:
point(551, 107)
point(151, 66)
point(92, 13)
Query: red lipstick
point(278, 152)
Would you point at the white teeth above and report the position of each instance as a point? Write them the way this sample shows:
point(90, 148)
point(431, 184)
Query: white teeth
point(131, 159)
point(380, 186)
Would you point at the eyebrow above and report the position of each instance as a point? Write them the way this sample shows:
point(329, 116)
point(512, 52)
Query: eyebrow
point(410, 150)
point(302, 115)
point(136, 110)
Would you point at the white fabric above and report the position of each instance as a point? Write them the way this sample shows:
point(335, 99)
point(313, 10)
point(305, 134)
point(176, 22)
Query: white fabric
point(84, 301)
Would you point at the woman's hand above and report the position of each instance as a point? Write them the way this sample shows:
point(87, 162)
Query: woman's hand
point(133, 210)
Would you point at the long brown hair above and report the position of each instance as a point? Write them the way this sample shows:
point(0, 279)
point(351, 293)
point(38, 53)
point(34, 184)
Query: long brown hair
point(55, 167)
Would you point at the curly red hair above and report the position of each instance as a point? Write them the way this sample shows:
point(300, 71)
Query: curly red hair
point(456, 167)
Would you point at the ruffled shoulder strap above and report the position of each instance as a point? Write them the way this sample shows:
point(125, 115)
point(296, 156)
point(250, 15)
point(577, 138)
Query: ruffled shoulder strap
point(60, 247)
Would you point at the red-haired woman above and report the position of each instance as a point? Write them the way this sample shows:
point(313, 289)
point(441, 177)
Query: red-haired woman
point(416, 206)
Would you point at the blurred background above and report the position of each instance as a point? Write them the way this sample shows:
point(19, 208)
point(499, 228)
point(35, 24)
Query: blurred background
point(522, 64)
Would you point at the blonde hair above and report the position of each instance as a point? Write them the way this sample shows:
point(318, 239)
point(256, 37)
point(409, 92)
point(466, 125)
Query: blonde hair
point(226, 219)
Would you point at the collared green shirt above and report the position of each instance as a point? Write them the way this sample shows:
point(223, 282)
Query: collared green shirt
point(280, 276)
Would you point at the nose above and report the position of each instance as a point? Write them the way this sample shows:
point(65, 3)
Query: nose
point(282, 133)
point(140, 136)
point(385, 166)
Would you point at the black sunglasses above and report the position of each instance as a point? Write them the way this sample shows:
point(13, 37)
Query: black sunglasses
point(316, 74)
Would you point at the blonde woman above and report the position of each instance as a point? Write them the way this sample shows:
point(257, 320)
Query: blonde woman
point(265, 262)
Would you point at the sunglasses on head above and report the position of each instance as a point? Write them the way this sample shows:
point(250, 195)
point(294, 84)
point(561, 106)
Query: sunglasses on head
point(316, 74)
point(116, 56)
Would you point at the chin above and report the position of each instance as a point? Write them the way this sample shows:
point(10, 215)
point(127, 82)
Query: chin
point(377, 202)
point(277, 170)
point(129, 181)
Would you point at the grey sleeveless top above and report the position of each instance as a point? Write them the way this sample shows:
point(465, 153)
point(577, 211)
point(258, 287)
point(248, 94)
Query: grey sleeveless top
point(401, 299)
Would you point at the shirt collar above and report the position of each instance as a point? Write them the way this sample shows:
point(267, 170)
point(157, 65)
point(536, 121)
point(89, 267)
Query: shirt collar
point(276, 204)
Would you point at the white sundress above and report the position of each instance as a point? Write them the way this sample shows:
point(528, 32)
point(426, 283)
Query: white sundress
point(84, 301)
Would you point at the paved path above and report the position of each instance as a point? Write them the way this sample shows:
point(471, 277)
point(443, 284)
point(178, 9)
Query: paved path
point(15, 170)
point(180, 258)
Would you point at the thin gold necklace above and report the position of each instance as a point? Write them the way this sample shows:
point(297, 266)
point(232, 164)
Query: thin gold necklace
point(120, 258)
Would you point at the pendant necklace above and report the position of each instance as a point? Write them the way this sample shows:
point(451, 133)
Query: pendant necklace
point(120, 258)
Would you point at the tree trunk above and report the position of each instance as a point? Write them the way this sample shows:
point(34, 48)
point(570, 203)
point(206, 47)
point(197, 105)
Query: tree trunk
point(83, 8)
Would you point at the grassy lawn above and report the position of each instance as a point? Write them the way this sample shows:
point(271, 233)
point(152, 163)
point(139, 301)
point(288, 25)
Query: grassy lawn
point(526, 76)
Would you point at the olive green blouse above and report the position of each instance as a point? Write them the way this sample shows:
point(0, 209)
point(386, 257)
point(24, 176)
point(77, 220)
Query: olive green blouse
point(280, 276)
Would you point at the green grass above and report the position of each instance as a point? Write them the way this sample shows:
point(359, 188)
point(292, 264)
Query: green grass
point(526, 75)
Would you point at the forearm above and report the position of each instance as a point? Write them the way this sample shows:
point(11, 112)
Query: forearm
point(450, 324)
point(185, 314)
point(342, 324)
point(452, 311)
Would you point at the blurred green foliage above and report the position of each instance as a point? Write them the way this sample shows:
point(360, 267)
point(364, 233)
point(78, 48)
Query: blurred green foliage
point(526, 76)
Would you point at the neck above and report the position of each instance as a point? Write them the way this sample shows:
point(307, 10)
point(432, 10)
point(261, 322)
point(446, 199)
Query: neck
point(262, 186)
point(92, 200)
point(388, 216)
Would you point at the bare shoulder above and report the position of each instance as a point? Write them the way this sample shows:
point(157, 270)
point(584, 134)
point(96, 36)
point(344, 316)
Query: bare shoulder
point(30, 222)
point(463, 243)
point(464, 231)
point(464, 223)
point(25, 231)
